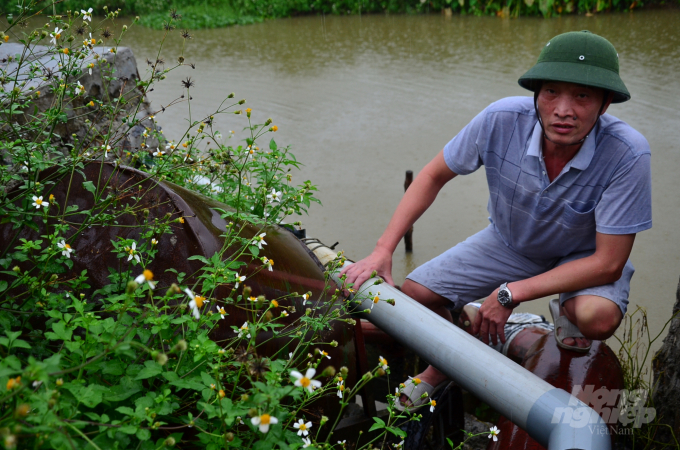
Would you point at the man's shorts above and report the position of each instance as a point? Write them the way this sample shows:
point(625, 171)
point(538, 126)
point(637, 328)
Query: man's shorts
point(475, 267)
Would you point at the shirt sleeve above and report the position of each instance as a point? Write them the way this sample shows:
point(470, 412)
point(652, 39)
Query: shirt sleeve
point(626, 204)
point(462, 153)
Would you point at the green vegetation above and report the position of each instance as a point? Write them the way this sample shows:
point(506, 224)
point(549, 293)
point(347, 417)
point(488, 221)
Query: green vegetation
point(219, 13)
point(123, 362)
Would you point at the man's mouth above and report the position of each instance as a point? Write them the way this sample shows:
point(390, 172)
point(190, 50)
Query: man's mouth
point(562, 128)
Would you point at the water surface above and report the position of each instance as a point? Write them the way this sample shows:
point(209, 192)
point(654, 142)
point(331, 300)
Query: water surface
point(363, 99)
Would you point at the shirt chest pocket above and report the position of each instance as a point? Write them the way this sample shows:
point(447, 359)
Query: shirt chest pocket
point(576, 217)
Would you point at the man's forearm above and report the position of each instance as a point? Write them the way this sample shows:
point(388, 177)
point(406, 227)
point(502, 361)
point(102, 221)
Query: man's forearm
point(603, 267)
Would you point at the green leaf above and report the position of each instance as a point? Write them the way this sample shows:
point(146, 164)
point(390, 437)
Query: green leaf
point(151, 369)
point(143, 434)
point(200, 258)
point(126, 410)
point(272, 145)
point(114, 368)
point(20, 343)
point(396, 431)
point(128, 429)
point(89, 186)
point(61, 331)
point(3, 286)
point(379, 423)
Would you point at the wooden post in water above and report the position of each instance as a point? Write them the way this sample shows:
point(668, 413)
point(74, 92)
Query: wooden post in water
point(408, 237)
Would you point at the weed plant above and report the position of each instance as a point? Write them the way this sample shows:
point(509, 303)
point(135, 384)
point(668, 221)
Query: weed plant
point(635, 342)
point(133, 364)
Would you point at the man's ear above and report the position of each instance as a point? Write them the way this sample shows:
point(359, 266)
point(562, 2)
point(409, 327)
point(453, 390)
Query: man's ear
point(607, 101)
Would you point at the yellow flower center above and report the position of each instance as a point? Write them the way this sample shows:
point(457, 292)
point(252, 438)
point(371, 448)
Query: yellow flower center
point(376, 299)
point(222, 393)
point(275, 304)
point(416, 381)
point(67, 247)
point(181, 220)
point(38, 201)
point(199, 301)
point(252, 299)
point(304, 382)
point(148, 275)
point(93, 41)
point(131, 251)
point(222, 311)
point(265, 419)
point(433, 403)
point(383, 361)
point(342, 387)
point(57, 36)
point(303, 427)
point(271, 262)
point(51, 196)
point(65, 51)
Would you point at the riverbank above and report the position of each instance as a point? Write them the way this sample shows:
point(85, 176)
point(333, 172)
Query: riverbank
point(199, 14)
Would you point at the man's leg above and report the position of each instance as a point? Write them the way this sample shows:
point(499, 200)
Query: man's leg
point(597, 318)
point(437, 304)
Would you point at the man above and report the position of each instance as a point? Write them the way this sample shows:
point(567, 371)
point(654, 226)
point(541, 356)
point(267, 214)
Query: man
point(569, 189)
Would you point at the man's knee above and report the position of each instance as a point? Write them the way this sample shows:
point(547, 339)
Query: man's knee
point(423, 295)
point(596, 317)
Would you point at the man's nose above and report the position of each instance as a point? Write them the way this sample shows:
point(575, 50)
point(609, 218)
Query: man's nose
point(564, 107)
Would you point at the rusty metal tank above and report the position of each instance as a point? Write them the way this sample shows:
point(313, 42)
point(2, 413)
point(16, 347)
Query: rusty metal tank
point(296, 269)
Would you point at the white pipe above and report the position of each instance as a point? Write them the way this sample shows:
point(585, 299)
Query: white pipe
point(551, 416)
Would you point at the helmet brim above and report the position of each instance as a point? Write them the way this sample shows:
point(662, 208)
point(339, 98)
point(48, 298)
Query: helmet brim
point(570, 72)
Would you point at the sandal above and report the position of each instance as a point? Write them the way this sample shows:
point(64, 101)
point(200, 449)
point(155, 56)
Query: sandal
point(565, 329)
point(414, 393)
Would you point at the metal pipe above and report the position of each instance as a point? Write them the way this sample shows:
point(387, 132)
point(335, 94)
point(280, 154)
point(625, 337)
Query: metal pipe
point(553, 417)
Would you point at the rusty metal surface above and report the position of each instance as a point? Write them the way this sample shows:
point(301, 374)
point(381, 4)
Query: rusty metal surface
point(295, 268)
point(563, 369)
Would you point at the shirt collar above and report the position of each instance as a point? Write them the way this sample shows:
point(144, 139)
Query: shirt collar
point(582, 159)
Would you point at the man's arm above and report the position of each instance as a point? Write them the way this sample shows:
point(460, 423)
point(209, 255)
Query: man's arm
point(602, 267)
point(415, 202)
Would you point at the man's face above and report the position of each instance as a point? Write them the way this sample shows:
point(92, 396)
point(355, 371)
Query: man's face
point(569, 110)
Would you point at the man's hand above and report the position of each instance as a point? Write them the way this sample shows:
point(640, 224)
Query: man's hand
point(380, 261)
point(491, 320)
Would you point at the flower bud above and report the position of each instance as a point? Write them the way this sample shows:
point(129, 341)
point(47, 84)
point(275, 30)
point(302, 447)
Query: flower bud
point(230, 95)
point(229, 436)
point(252, 412)
point(328, 372)
point(169, 442)
point(334, 343)
point(145, 211)
point(247, 290)
point(380, 372)
point(131, 287)
point(267, 122)
point(367, 376)
point(261, 299)
point(180, 60)
point(22, 410)
point(324, 419)
point(162, 359)
point(54, 277)
point(344, 371)
point(244, 397)
point(181, 346)
point(390, 301)
point(125, 27)
point(268, 316)
point(240, 102)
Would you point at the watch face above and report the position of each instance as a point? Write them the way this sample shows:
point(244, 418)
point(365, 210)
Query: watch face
point(504, 297)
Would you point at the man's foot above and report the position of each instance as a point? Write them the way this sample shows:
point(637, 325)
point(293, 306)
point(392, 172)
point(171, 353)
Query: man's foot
point(431, 376)
point(567, 334)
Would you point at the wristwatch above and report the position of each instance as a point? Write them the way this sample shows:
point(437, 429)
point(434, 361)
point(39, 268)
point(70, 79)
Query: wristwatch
point(505, 296)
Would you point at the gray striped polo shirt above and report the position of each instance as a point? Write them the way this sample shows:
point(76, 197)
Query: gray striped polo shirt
point(605, 188)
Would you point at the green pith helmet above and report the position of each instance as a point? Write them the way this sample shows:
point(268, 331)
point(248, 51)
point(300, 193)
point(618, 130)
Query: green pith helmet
point(579, 57)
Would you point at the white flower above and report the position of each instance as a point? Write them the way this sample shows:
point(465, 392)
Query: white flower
point(38, 202)
point(306, 380)
point(239, 280)
point(274, 196)
point(195, 303)
point(147, 276)
point(65, 248)
point(221, 311)
point(170, 146)
point(241, 331)
point(307, 442)
point(341, 388)
point(322, 353)
point(36, 384)
point(383, 362)
point(106, 150)
point(154, 241)
point(284, 313)
point(259, 240)
point(399, 445)
point(133, 252)
point(375, 299)
point(290, 355)
point(87, 15)
point(80, 89)
point(433, 403)
point(493, 433)
point(268, 263)
point(302, 427)
point(158, 153)
point(56, 35)
point(264, 421)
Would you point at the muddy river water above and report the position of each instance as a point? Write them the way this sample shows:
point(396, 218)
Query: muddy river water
point(362, 99)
